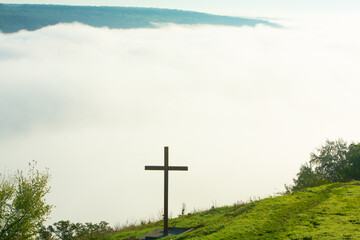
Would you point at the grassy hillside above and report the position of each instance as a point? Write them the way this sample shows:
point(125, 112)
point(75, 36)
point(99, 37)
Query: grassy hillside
point(14, 17)
point(326, 212)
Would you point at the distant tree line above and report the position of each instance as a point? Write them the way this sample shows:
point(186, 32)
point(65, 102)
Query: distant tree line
point(65, 230)
point(335, 161)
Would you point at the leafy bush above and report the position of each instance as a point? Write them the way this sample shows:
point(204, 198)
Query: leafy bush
point(353, 157)
point(22, 203)
point(335, 161)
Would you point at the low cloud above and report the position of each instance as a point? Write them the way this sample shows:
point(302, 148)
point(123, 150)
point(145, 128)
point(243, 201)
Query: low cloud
point(242, 107)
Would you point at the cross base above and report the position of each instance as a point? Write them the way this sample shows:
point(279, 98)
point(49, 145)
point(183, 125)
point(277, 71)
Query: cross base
point(159, 233)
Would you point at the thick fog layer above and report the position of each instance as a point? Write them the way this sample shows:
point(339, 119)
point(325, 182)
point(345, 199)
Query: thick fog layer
point(242, 107)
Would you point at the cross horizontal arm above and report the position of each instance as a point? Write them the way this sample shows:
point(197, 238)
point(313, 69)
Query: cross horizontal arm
point(154, 168)
point(177, 168)
point(170, 168)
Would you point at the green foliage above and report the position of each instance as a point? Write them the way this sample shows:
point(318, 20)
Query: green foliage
point(335, 161)
point(330, 160)
point(330, 211)
point(307, 177)
point(65, 230)
point(353, 157)
point(62, 230)
point(22, 204)
point(45, 233)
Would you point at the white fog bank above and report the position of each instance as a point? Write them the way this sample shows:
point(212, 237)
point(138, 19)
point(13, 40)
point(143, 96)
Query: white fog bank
point(242, 107)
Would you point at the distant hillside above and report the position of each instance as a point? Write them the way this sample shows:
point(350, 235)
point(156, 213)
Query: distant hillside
point(14, 17)
point(326, 212)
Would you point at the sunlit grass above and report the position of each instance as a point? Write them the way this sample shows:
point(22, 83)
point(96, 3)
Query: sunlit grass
point(325, 212)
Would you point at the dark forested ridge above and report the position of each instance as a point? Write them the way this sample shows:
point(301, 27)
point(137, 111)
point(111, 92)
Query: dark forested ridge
point(15, 17)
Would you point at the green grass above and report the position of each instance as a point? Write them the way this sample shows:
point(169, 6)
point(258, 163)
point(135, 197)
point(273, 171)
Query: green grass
point(326, 212)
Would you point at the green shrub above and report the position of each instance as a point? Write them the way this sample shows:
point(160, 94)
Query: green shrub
point(22, 203)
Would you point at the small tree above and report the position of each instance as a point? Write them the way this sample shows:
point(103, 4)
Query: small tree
point(63, 230)
point(335, 161)
point(45, 233)
point(330, 160)
point(353, 157)
point(307, 178)
point(22, 204)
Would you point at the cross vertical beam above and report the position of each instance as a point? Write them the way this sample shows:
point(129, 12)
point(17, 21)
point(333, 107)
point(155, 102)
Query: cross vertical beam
point(166, 189)
point(166, 168)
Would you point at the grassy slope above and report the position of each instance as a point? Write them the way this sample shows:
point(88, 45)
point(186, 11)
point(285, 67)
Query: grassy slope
point(327, 212)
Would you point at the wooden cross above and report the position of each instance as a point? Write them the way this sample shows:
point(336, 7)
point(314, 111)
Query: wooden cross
point(166, 168)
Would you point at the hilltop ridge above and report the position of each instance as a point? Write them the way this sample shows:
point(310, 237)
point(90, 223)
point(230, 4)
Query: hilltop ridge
point(15, 17)
point(330, 211)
